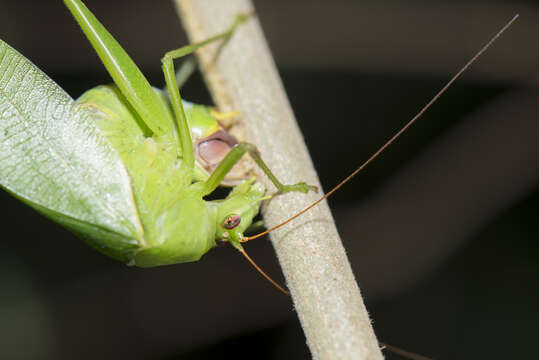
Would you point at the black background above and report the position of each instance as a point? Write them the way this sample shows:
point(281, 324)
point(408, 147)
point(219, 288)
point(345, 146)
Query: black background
point(447, 263)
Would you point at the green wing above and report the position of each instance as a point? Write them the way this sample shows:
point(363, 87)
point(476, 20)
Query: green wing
point(53, 158)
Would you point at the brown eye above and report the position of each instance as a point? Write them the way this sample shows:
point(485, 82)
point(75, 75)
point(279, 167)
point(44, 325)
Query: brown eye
point(231, 221)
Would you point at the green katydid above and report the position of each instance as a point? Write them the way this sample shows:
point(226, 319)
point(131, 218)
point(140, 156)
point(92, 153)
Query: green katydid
point(119, 169)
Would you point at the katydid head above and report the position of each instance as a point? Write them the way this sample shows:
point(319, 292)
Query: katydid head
point(235, 213)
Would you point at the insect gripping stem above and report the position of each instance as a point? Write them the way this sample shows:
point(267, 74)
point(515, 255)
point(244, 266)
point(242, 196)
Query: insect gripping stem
point(396, 136)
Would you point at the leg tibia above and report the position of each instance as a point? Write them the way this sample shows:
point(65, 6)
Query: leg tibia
point(235, 155)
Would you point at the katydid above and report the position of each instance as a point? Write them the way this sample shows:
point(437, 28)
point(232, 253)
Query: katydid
point(128, 166)
point(119, 169)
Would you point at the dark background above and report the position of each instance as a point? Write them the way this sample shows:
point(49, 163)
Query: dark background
point(441, 230)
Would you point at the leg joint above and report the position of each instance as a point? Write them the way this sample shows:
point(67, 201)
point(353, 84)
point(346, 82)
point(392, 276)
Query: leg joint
point(249, 147)
point(166, 58)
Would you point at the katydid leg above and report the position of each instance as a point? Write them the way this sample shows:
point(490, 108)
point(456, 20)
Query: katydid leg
point(189, 66)
point(232, 159)
point(181, 125)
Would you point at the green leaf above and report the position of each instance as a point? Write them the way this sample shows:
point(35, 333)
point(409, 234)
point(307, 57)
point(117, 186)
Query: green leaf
point(53, 157)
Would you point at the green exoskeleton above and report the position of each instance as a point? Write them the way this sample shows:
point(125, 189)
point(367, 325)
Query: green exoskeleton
point(126, 167)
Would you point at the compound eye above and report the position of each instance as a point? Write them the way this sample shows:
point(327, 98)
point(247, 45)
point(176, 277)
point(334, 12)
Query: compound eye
point(231, 221)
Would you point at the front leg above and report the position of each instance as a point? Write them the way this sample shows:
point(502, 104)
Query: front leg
point(234, 156)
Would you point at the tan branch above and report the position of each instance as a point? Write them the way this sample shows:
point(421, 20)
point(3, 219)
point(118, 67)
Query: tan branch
point(325, 293)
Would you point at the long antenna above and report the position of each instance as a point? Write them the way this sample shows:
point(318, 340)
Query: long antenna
point(390, 141)
point(402, 352)
point(274, 283)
